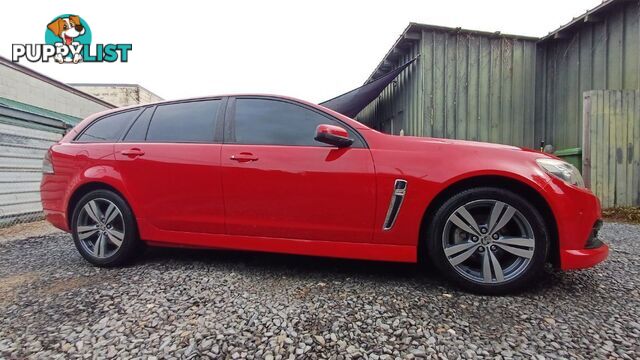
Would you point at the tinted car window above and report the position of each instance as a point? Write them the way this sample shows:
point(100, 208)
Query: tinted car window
point(138, 130)
point(184, 122)
point(272, 122)
point(108, 128)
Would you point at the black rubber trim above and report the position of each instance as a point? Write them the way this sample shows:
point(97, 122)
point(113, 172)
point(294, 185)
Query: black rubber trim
point(593, 242)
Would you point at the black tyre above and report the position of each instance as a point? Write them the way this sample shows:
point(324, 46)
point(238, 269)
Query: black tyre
point(104, 229)
point(488, 240)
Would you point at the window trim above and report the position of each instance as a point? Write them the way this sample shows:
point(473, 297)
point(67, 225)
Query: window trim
point(76, 139)
point(230, 120)
point(143, 108)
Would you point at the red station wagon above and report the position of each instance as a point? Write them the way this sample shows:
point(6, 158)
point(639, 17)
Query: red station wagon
point(276, 174)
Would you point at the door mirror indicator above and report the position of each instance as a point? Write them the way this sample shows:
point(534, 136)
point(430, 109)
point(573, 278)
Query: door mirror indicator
point(333, 135)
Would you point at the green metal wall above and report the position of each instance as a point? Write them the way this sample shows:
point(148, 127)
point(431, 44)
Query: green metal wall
point(509, 89)
point(399, 106)
point(603, 53)
point(611, 161)
point(26, 132)
point(465, 85)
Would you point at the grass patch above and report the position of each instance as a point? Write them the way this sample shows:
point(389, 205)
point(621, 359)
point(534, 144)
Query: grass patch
point(628, 214)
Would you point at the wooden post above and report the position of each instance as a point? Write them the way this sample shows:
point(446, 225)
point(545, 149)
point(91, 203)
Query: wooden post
point(586, 139)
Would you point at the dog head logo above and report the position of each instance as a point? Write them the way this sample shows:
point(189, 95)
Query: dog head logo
point(68, 30)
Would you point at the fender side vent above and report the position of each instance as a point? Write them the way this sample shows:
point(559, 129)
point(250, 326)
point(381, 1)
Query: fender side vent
point(399, 190)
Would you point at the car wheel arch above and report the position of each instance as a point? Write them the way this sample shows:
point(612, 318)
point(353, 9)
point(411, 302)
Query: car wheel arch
point(521, 188)
point(86, 188)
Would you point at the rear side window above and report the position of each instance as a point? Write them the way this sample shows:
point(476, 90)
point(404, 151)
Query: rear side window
point(108, 128)
point(138, 130)
point(184, 122)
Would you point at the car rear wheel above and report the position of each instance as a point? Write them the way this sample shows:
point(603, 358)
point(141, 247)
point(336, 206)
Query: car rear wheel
point(104, 230)
point(488, 240)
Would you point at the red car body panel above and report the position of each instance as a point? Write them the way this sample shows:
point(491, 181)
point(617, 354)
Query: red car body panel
point(306, 200)
point(176, 187)
point(298, 201)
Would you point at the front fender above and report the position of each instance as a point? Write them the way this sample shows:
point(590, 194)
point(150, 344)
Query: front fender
point(432, 171)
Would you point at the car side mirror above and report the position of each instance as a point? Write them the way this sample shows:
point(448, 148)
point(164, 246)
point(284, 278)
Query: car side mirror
point(333, 135)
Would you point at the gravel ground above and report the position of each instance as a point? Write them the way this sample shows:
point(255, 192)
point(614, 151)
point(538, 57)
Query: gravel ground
point(27, 230)
point(219, 304)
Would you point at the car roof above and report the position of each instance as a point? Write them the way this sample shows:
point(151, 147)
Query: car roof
point(338, 115)
point(208, 97)
point(353, 123)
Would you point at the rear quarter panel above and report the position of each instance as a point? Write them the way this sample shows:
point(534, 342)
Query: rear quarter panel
point(78, 164)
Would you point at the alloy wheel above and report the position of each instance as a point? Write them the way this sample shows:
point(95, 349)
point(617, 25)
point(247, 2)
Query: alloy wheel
point(488, 241)
point(100, 228)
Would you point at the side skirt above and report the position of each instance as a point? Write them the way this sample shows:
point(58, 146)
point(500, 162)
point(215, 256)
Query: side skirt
point(346, 250)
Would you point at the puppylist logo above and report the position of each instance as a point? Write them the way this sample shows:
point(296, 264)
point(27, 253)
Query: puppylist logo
point(68, 41)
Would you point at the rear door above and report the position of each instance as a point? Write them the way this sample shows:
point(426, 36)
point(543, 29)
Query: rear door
point(279, 182)
point(170, 164)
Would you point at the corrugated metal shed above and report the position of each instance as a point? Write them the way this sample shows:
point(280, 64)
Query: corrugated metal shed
point(596, 51)
point(507, 88)
point(519, 90)
point(35, 110)
point(466, 85)
point(26, 132)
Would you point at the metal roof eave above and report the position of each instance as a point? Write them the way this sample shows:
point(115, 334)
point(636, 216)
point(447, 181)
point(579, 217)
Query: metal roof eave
point(588, 16)
point(414, 28)
point(411, 33)
point(32, 119)
point(34, 114)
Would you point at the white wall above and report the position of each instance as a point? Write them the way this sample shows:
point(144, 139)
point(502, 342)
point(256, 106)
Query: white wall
point(120, 95)
point(18, 86)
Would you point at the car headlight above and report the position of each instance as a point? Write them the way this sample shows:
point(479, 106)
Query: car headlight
point(562, 170)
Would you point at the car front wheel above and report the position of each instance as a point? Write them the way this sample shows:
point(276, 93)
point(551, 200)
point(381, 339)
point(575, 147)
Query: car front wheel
point(104, 230)
point(488, 240)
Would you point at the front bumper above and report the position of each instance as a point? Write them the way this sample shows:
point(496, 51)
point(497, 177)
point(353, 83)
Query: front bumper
point(584, 258)
point(578, 217)
point(594, 252)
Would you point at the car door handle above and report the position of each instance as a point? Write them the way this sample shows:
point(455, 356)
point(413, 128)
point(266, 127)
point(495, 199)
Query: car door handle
point(244, 157)
point(132, 152)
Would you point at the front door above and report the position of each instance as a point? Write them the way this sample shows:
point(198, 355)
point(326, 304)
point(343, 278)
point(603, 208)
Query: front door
point(279, 182)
